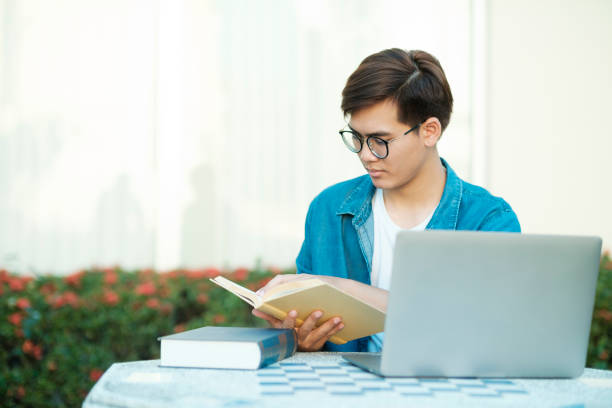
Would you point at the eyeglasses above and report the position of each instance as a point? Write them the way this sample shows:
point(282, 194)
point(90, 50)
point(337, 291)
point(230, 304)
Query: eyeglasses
point(379, 147)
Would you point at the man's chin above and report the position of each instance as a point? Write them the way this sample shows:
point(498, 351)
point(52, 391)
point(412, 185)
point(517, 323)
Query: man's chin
point(379, 182)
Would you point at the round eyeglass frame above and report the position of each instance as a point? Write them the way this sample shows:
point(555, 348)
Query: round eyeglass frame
point(371, 139)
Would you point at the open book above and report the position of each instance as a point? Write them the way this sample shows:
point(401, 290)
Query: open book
point(305, 296)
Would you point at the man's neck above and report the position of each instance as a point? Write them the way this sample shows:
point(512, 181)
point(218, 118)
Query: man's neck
point(411, 203)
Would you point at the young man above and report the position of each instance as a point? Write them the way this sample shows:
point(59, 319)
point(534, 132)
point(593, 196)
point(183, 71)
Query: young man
point(398, 104)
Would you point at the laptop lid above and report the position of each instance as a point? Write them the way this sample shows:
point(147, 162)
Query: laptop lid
point(490, 304)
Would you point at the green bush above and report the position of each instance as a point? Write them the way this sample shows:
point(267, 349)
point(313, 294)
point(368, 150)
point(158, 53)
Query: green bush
point(58, 335)
point(600, 341)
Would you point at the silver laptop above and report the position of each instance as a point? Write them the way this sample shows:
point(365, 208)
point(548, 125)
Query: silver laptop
point(487, 304)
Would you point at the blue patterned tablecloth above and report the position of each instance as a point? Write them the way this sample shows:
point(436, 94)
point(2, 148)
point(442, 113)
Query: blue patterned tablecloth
point(325, 378)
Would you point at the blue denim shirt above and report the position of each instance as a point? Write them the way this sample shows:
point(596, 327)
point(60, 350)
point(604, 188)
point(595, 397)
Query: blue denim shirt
point(339, 236)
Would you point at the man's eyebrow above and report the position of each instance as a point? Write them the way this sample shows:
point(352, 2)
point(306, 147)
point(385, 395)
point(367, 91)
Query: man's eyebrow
point(379, 133)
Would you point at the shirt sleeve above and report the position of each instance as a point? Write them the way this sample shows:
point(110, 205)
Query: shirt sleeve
point(303, 262)
point(502, 219)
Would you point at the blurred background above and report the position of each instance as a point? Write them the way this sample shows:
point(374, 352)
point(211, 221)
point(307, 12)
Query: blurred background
point(165, 134)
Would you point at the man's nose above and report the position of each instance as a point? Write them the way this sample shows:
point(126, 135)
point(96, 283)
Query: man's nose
point(366, 154)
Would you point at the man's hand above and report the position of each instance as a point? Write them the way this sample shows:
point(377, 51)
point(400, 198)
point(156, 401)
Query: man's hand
point(310, 337)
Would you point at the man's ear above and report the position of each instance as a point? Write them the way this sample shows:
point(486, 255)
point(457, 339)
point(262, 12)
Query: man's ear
point(430, 131)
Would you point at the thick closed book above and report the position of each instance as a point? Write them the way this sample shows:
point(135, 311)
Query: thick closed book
point(305, 296)
point(227, 347)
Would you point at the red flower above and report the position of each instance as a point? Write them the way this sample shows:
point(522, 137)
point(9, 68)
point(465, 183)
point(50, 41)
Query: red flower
point(21, 391)
point(241, 274)
point(75, 278)
point(179, 328)
point(22, 303)
point(219, 318)
point(56, 302)
point(16, 284)
point(153, 303)
point(27, 347)
point(37, 352)
point(195, 274)
point(71, 299)
point(172, 274)
point(604, 355)
point(66, 298)
point(110, 278)
point(147, 289)
point(211, 272)
point(48, 289)
point(4, 276)
point(15, 318)
point(95, 374)
point(202, 298)
point(110, 298)
point(51, 366)
point(604, 314)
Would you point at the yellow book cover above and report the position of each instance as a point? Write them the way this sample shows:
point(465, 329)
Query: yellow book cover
point(305, 296)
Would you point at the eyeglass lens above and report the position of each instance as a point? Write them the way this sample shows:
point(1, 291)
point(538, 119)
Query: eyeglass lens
point(378, 147)
point(354, 143)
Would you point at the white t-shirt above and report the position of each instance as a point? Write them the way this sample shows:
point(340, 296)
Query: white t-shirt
point(385, 233)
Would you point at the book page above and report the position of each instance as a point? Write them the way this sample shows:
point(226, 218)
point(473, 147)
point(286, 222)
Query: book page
point(243, 293)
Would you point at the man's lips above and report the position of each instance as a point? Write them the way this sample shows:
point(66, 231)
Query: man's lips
point(375, 172)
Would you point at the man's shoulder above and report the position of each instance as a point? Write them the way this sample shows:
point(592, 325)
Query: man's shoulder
point(481, 210)
point(481, 197)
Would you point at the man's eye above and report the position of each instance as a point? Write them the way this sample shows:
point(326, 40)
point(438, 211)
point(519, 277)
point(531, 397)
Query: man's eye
point(379, 142)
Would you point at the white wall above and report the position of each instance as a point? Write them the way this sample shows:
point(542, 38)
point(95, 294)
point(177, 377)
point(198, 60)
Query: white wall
point(550, 104)
point(190, 133)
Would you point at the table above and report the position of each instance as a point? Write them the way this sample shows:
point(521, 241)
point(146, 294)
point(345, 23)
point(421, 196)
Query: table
point(327, 380)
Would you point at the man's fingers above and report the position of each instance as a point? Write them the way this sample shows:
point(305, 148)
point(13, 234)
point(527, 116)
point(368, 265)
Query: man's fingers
point(318, 344)
point(309, 324)
point(323, 331)
point(310, 337)
point(289, 321)
point(315, 339)
point(274, 322)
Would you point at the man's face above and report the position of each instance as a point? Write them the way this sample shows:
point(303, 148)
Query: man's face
point(407, 153)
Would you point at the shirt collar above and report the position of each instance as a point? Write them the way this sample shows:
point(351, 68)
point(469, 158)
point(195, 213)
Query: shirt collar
point(358, 202)
point(447, 213)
